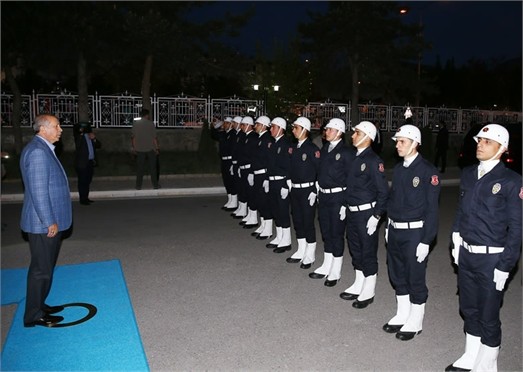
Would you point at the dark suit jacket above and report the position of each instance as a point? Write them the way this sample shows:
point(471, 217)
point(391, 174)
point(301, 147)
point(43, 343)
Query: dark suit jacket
point(82, 151)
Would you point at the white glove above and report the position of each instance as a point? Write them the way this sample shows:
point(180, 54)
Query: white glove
point(231, 170)
point(284, 192)
point(343, 212)
point(456, 244)
point(289, 184)
point(500, 277)
point(250, 179)
point(422, 251)
point(312, 198)
point(239, 173)
point(372, 224)
point(266, 186)
point(387, 234)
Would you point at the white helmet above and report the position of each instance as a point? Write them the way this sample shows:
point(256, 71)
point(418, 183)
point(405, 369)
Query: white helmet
point(408, 131)
point(247, 120)
point(281, 122)
point(303, 122)
point(336, 124)
point(237, 119)
point(494, 132)
point(228, 119)
point(264, 120)
point(368, 128)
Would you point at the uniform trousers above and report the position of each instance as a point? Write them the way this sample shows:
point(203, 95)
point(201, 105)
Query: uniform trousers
point(479, 301)
point(228, 179)
point(279, 207)
point(406, 274)
point(243, 186)
point(363, 247)
point(262, 197)
point(44, 254)
point(331, 227)
point(303, 214)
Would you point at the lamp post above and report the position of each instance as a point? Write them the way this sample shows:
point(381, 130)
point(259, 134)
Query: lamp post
point(257, 87)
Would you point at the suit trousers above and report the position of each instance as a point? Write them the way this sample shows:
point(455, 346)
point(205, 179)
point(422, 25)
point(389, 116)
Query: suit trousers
point(85, 176)
point(44, 254)
point(141, 158)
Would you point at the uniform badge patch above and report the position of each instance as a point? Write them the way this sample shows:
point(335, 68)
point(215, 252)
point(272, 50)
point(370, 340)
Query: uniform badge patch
point(304, 157)
point(381, 168)
point(317, 154)
point(279, 149)
point(363, 166)
point(269, 145)
point(496, 188)
point(338, 156)
point(434, 180)
point(415, 181)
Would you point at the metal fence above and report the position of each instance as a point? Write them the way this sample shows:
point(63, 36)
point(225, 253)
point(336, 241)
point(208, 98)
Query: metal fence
point(118, 111)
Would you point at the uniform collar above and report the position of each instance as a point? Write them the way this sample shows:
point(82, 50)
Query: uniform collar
point(408, 161)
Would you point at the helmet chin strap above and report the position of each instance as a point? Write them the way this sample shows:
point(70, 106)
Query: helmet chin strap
point(301, 132)
point(411, 148)
point(361, 140)
point(499, 152)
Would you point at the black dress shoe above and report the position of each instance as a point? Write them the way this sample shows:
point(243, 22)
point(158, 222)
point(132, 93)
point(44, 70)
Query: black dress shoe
point(261, 237)
point(330, 283)
point(53, 309)
point(229, 209)
point(255, 234)
point(242, 223)
point(236, 217)
point(84, 202)
point(362, 304)
point(282, 249)
point(392, 328)
point(245, 226)
point(305, 266)
point(406, 336)
point(452, 368)
point(314, 275)
point(270, 245)
point(292, 260)
point(90, 201)
point(348, 296)
point(45, 321)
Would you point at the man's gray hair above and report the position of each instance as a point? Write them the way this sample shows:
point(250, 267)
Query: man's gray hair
point(40, 121)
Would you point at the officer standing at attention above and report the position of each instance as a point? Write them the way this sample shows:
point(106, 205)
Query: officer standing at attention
point(241, 211)
point(334, 165)
point(219, 132)
point(248, 149)
point(278, 172)
point(412, 226)
point(305, 163)
point(487, 243)
point(366, 196)
point(260, 162)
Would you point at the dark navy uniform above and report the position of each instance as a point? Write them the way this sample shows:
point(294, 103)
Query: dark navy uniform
point(248, 150)
point(278, 173)
point(260, 162)
point(332, 177)
point(366, 195)
point(413, 218)
point(237, 152)
point(489, 222)
point(225, 153)
point(305, 163)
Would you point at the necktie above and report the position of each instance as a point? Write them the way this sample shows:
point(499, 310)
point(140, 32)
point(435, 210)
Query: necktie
point(331, 146)
point(481, 172)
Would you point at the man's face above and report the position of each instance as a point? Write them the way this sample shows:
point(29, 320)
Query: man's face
point(51, 131)
point(331, 134)
point(358, 137)
point(403, 146)
point(258, 127)
point(298, 131)
point(275, 130)
point(486, 149)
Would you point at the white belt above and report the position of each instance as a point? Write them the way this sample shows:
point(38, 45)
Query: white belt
point(260, 171)
point(362, 207)
point(246, 166)
point(482, 249)
point(226, 157)
point(302, 185)
point(276, 178)
point(406, 225)
point(333, 191)
point(235, 161)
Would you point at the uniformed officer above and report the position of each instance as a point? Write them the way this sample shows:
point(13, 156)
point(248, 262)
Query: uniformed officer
point(332, 176)
point(411, 228)
point(305, 162)
point(241, 210)
point(219, 132)
point(366, 196)
point(248, 150)
point(261, 182)
point(278, 172)
point(486, 246)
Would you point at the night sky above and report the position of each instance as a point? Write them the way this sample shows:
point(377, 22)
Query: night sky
point(457, 29)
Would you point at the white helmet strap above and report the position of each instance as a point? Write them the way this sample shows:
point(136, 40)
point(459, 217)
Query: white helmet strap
point(361, 140)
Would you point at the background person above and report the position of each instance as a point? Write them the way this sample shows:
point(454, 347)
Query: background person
point(442, 146)
point(486, 246)
point(86, 144)
point(46, 213)
point(145, 146)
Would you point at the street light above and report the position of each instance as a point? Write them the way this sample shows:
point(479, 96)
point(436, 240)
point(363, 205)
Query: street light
point(257, 87)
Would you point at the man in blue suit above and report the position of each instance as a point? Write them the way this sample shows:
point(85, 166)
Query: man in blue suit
point(46, 214)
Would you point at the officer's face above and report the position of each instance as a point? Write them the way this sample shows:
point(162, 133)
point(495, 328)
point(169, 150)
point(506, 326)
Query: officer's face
point(486, 149)
point(298, 132)
point(331, 134)
point(403, 146)
point(358, 137)
point(275, 130)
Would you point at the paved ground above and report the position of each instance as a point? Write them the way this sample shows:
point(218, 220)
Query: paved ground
point(207, 296)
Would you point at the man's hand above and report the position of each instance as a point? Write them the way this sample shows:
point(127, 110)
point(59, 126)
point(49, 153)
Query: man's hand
point(284, 193)
point(456, 244)
point(312, 198)
point(52, 230)
point(422, 251)
point(343, 213)
point(500, 278)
